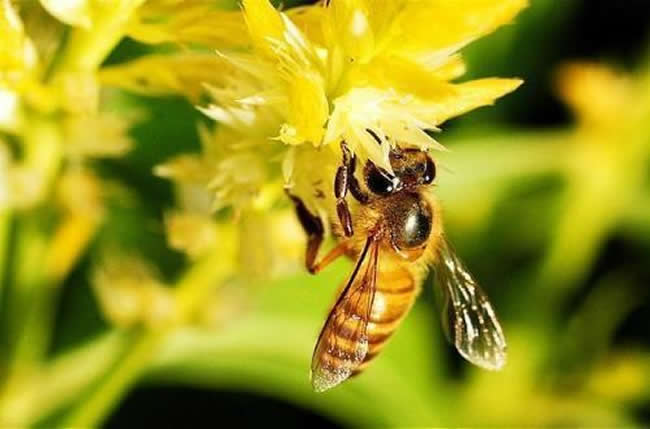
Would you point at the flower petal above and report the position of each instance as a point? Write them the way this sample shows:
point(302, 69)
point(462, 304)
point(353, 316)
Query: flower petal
point(309, 20)
point(17, 53)
point(404, 76)
point(77, 13)
point(191, 232)
point(360, 28)
point(9, 110)
point(451, 68)
point(264, 23)
point(436, 25)
point(466, 96)
point(98, 135)
point(184, 74)
point(188, 21)
point(371, 121)
point(308, 111)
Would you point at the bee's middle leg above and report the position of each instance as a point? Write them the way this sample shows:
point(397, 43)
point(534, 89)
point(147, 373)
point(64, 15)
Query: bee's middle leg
point(313, 227)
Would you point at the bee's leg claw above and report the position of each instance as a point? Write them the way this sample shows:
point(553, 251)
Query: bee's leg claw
point(333, 254)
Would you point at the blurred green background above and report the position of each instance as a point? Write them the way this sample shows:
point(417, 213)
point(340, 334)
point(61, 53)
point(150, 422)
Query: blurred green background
point(566, 265)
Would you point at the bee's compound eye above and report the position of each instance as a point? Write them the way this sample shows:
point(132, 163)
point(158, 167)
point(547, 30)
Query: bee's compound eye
point(429, 173)
point(379, 182)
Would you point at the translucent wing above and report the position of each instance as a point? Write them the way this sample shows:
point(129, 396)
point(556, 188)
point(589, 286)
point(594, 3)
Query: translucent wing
point(343, 341)
point(468, 318)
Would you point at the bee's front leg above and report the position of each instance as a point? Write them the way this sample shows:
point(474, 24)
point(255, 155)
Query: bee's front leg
point(355, 188)
point(341, 186)
point(313, 227)
point(345, 180)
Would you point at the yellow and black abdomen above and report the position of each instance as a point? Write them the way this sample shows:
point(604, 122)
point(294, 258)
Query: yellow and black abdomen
point(395, 294)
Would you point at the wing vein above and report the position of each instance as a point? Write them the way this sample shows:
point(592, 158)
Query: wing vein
point(343, 342)
point(468, 317)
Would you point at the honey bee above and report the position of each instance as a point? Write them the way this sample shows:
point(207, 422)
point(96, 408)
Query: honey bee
point(395, 236)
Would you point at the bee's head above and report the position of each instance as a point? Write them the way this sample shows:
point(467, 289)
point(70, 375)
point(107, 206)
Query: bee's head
point(411, 167)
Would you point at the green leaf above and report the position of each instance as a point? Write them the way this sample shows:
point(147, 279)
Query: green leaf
point(269, 351)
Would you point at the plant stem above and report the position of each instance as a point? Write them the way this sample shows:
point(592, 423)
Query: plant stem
point(200, 279)
point(24, 298)
point(59, 381)
point(5, 241)
point(27, 298)
point(70, 239)
point(86, 49)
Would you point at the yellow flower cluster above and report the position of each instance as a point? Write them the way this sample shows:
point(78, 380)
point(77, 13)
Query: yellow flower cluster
point(284, 87)
point(375, 74)
point(52, 111)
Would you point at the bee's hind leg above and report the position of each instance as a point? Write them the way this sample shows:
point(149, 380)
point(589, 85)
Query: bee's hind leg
point(313, 227)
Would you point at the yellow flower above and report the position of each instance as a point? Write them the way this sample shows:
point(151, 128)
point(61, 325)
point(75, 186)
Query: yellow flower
point(191, 232)
point(287, 87)
point(377, 66)
point(52, 108)
point(98, 135)
point(239, 168)
point(375, 74)
point(130, 292)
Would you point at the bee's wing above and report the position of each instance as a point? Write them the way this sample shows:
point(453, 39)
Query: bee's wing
point(468, 318)
point(343, 341)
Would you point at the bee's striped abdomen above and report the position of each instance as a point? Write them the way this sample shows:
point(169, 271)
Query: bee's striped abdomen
point(395, 293)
